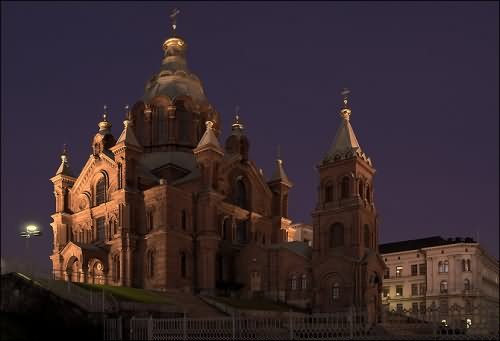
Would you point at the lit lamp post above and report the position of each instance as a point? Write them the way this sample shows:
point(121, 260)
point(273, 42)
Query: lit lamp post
point(30, 231)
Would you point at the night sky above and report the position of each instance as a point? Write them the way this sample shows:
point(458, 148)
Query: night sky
point(424, 79)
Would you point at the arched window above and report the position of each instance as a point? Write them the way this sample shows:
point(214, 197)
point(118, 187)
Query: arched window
point(368, 194)
point(100, 191)
point(150, 220)
point(443, 287)
point(466, 284)
point(445, 266)
point(329, 193)
point(183, 265)
point(345, 187)
point(360, 189)
point(465, 265)
point(335, 291)
point(367, 235)
point(304, 282)
point(100, 223)
point(226, 229)
point(151, 263)
point(336, 235)
point(183, 220)
point(240, 194)
point(293, 282)
point(440, 267)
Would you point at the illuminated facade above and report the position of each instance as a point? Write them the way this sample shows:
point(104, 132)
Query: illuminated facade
point(167, 206)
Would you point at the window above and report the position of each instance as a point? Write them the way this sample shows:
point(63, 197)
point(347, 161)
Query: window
point(304, 281)
point(183, 219)
point(115, 227)
point(386, 273)
point(399, 307)
point(466, 284)
point(151, 263)
point(150, 221)
point(414, 270)
point(183, 265)
point(328, 193)
point(443, 266)
point(360, 190)
point(399, 290)
point(368, 194)
point(99, 222)
point(345, 188)
point(367, 236)
point(336, 235)
point(422, 288)
point(443, 287)
point(226, 229)
point(466, 265)
point(240, 194)
point(414, 289)
point(100, 191)
point(399, 271)
point(414, 307)
point(293, 284)
point(116, 268)
point(335, 291)
point(422, 268)
point(385, 292)
point(120, 176)
point(422, 307)
point(241, 232)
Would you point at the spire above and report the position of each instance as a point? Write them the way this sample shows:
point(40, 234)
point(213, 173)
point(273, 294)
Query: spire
point(174, 41)
point(209, 137)
point(237, 126)
point(64, 168)
point(279, 172)
point(105, 124)
point(127, 136)
point(345, 143)
point(173, 17)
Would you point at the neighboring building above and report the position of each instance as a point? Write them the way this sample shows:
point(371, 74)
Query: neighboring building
point(434, 272)
point(300, 233)
point(166, 206)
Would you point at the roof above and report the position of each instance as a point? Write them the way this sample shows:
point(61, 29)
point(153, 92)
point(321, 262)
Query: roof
point(209, 138)
point(345, 140)
point(300, 248)
point(415, 244)
point(127, 136)
point(279, 173)
point(158, 159)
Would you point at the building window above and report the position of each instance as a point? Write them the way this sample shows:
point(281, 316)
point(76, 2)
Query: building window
point(335, 291)
point(329, 193)
point(241, 232)
point(443, 266)
point(443, 287)
point(226, 229)
point(422, 307)
point(241, 194)
point(414, 307)
point(360, 190)
point(304, 282)
point(120, 172)
point(466, 265)
point(422, 268)
point(293, 284)
point(151, 263)
point(345, 187)
point(385, 291)
point(183, 220)
point(399, 307)
point(399, 271)
point(422, 288)
point(414, 289)
point(336, 235)
point(100, 191)
point(368, 194)
point(116, 268)
point(183, 265)
point(115, 227)
point(386, 273)
point(399, 290)
point(367, 235)
point(150, 221)
point(414, 270)
point(466, 284)
point(99, 222)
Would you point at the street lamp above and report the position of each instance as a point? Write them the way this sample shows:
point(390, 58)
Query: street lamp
point(30, 231)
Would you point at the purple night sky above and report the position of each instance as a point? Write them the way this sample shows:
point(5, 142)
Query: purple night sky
point(424, 79)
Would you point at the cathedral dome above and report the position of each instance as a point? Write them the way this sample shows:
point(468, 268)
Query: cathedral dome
point(175, 79)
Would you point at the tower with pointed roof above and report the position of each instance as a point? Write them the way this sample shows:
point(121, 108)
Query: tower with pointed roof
point(345, 225)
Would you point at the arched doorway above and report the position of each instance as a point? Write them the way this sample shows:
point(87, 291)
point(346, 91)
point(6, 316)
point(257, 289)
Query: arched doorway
point(96, 268)
point(73, 270)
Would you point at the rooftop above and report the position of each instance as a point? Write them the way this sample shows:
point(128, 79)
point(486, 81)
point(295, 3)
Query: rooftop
point(415, 244)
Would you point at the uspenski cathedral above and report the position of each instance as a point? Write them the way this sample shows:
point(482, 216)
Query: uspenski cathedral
point(167, 205)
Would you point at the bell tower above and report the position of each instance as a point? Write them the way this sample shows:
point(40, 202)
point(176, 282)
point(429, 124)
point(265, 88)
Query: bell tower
point(344, 220)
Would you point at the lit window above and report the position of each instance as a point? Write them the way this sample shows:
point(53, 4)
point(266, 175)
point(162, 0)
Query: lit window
point(399, 271)
point(399, 290)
